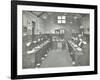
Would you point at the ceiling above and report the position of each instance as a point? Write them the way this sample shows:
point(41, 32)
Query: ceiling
point(68, 15)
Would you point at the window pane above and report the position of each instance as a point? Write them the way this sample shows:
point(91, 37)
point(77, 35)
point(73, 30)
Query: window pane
point(59, 21)
point(59, 17)
point(63, 17)
point(63, 21)
point(61, 31)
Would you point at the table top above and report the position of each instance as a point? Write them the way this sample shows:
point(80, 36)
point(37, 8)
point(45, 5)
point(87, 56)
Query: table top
point(37, 48)
point(75, 47)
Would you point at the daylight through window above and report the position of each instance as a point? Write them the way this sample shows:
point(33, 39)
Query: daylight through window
point(61, 19)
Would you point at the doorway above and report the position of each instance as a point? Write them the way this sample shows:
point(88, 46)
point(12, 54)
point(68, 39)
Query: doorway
point(33, 29)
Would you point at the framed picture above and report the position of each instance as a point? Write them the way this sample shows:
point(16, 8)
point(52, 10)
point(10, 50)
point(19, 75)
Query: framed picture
point(53, 39)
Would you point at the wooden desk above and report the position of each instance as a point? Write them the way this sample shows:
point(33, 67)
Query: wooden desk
point(75, 52)
point(33, 56)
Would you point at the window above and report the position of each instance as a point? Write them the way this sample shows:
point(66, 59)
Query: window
point(61, 19)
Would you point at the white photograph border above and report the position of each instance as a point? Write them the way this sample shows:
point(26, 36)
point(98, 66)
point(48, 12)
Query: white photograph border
point(21, 71)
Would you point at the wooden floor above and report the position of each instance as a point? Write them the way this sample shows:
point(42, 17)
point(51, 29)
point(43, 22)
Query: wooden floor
point(57, 58)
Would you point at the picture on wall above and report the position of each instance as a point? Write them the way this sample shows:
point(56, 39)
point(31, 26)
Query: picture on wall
point(53, 39)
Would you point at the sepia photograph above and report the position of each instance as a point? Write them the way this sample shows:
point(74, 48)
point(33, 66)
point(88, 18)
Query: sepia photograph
point(53, 39)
